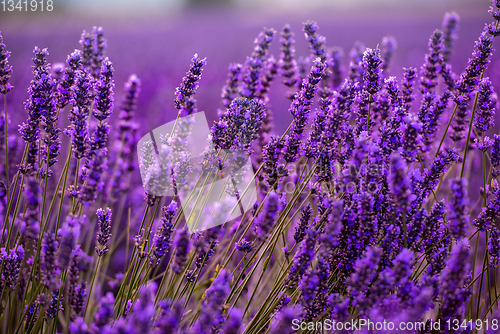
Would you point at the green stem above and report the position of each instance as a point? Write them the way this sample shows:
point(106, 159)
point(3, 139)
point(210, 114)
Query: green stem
point(7, 184)
point(91, 286)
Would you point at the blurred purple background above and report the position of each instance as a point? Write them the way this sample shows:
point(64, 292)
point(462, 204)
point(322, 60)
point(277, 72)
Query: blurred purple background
point(156, 40)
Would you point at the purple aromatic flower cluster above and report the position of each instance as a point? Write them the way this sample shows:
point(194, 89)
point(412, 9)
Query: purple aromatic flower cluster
point(5, 68)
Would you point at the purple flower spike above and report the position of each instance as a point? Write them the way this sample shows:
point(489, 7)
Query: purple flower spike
point(302, 259)
point(70, 232)
point(389, 46)
point(78, 326)
point(66, 84)
point(251, 85)
point(410, 74)
point(487, 217)
point(169, 319)
point(244, 246)
point(264, 222)
point(495, 156)
point(287, 63)
point(450, 26)
point(458, 218)
point(453, 281)
point(182, 245)
point(479, 61)
point(211, 313)
point(239, 125)
point(494, 247)
point(98, 50)
point(365, 271)
point(432, 65)
point(104, 234)
point(87, 41)
point(104, 312)
point(335, 55)
point(303, 224)
point(132, 89)
point(271, 169)
point(412, 140)
point(93, 177)
point(5, 68)
point(234, 324)
point(300, 109)
point(372, 74)
point(163, 237)
point(48, 261)
point(316, 42)
point(103, 87)
point(230, 89)
point(399, 183)
point(184, 101)
point(486, 104)
point(40, 98)
point(422, 186)
point(282, 322)
point(11, 265)
point(143, 311)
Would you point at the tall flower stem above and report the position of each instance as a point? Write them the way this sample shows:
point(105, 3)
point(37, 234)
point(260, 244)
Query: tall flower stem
point(92, 286)
point(9, 203)
point(369, 111)
point(446, 130)
point(77, 171)
point(7, 184)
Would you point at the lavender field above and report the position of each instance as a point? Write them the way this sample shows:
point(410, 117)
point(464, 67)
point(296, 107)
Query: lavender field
point(360, 146)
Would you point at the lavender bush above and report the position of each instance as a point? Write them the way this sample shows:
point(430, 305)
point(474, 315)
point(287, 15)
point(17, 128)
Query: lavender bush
point(369, 207)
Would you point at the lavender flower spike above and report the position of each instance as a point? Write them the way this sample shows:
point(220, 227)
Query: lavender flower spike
point(486, 103)
point(432, 64)
point(230, 89)
point(211, 312)
point(495, 156)
point(282, 323)
point(389, 45)
point(302, 259)
point(184, 100)
point(372, 74)
point(487, 217)
point(300, 109)
point(66, 84)
point(5, 68)
point(48, 261)
point(450, 27)
point(87, 44)
point(458, 218)
point(103, 87)
point(479, 61)
point(132, 89)
point(410, 75)
point(287, 62)
point(93, 177)
point(104, 234)
point(182, 245)
point(163, 236)
point(452, 279)
point(494, 247)
point(40, 96)
point(11, 265)
point(399, 183)
point(251, 72)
